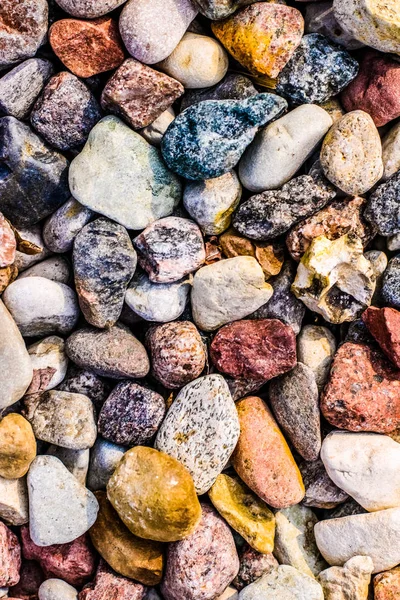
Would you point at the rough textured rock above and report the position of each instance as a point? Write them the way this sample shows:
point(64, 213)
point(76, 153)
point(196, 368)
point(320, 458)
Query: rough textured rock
point(31, 577)
point(104, 458)
point(321, 492)
point(76, 461)
point(387, 585)
point(8, 243)
point(17, 446)
point(234, 86)
point(108, 584)
point(347, 582)
point(54, 589)
point(32, 241)
point(252, 566)
point(81, 381)
point(320, 18)
point(391, 283)
point(383, 208)
point(219, 9)
point(284, 581)
point(316, 346)
point(159, 302)
point(49, 363)
point(269, 256)
point(13, 501)
point(61, 228)
point(383, 324)
point(391, 152)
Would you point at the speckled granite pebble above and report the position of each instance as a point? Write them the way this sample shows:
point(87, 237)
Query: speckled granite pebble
point(159, 302)
point(80, 381)
point(391, 283)
point(220, 9)
point(383, 208)
point(20, 87)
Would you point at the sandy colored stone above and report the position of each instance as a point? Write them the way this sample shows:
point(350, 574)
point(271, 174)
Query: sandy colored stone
point(49, 363)
point(7, 276)
point(316, 346)
point(283, 583)
point(387, 585)
point(350, 582)
point(17, 446)
point(8, 244)
point(14, 501)
point(391, 152)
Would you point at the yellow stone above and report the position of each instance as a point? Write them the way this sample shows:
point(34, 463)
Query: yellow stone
point(154, 495)
point(17, 446)
point(244, 512)
point(127, 554)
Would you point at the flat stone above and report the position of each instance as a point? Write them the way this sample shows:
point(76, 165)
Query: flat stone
point(57, 589)
point(253, 565)
point(13, 501)
point(316, 346)
point(55, 268)
point(350, 581)
point(33, 177)
point(89, 9)
point(76, 461)
point(201, 429)
point(154, 495)
point(81, 381)
point(391, 152)
point(121, 176)
point(383, 208)
point(383, 324)
point(49, 363)
point(20, 87)
point(107, 584)
point(10, 557)
point(234, 86)
point(61, 228)
point(321, 492)
point(104, 458)
point(269, 256)
point(154, 132)
point(387, 585)
point(17, 446)
point(23, 27)
point(281, 583)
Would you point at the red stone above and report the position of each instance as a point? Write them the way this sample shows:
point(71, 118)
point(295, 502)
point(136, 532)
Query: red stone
point(110, 586)
point(31, 578)
point(384, 325)
point(75, 562)
point(8, 244)
point(87, 47)
point(259, 349)
point(363, 390)
point(375, 90)
point(10, 557)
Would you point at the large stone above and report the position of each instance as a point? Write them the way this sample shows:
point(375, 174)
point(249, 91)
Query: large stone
point(17, 446)
point(20, 87)
point(316, 346)
point(350, 582)
point(283, 583)
point(384, 325)
point(13, 501)
point(49, 363)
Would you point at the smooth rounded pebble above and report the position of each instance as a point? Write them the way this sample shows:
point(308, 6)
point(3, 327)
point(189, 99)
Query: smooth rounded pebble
point(159, 302)
point(76, 461)
point(61, 228)
point(55, 268)
point(89, 9)
point(57, 589)
point(154, 132)
point(17, 446)
point(104, 458)
point(316, 346)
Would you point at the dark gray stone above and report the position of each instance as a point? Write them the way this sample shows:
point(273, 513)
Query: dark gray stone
point(81, 381)
point(321, 492)
point(383, 207)
point(232, 87)
point(390, 292)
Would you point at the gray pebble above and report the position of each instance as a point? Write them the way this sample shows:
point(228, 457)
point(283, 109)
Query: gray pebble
point(57, 589)
point(56, 268)
point(391, 283)
point(76, 461)
point(61, 228)
point(321, 492)
point(104, 458)
point(383, 207)
point(32, 234)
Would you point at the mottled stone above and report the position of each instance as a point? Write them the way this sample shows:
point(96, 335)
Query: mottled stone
point(13, 501)
point(154, 132)
point(33, 177)
point(139, 94)
point(320, 18)
point(17, 446)
point(383, 208)
point(55, 268)
point(387, 585)
point(262, 457)
point(7, 276)
point(89, 9)
point(253, 565)
point(219, 9)
point(234, 86)
point(61, 228)
point(201, 566)
point(269, 256)
point(244, 512)
point(81, 381)
point(201, 429)
point(57, 589)
point(391, 283)
point(391, 152)
point(87, 48)
point(107, 584)
point(316, 346)
point(121, 176)
point(20, 87)
point(49, 364)
point(114, 352)
point(127, 554)
point(281, 583)
point(177, 353)
point(104, 458)
point(208, 139)
point(154, 495)
point(350, 582)
point(321, 492)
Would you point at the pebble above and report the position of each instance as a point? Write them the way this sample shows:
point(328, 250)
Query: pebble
point(55, 268)
point(351, 154)
point(208, 139)
point(21, 86)
point(159, 302)
point(244, 512)
point(23, 29)
point(151, 33)
point(76, 461)
point(108, 584)
point(391, 283)
point(201, 566)
point(17, 446)
point(127, 554)
point(229, 594)
point(8, 243)
point(154, 132)
point(318, 70)
point(391, 152)
point(294, 400)
point(104, 458)
point(212, 302)
point(219, 9)
point(57, 589)
point(60, 508)
point(177, 353)
point(362, 390)
point(269, 256)
point(87, 48)
point(139, 94)
point(259, 349)
point(81, 381)
point(211, 202)
point(41, 306)
point(253, 565)
point(49, 364)
point(36, 182)
point(7, 276)
point(372, 534)
point(387, 585)
point(262, 458)
point(263, 37)
point(350, 581)
point(29, 583)
point(170, 248)
point(121, 176)
point(321, 492)
point(382, 323)
point(10, 557)
point(383, 207)
point(316, 347)
point(15, 363)
point(154, 495)
point(13, 501)
point(62, 227)
point(279, 150)
point(31, 249)
point(198, 61)
point(234, 86)
point(320, 18)
point(114, 352)
point(131, 415)
point(281, 583)
point(89, 9)
point(201, 429)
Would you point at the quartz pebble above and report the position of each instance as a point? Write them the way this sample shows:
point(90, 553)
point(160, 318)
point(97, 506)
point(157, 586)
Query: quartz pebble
point(316, 346)
point(61, 228)
point(350, 581)
point(49, 364)
point(283, 581)
point(159, 302)
point(21, 86)
point(17, 446)
point(57, 589)
point(13, 501)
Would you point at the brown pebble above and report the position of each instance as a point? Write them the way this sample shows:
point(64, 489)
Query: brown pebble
point(269, 256)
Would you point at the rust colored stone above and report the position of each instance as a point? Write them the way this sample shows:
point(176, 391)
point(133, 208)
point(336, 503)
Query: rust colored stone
point(384, 325)
point(110, 586)
point(387, 585)
point(10, 557)
point(363, 391)
point(87, 48)
point(269, 256)
point(8, 244)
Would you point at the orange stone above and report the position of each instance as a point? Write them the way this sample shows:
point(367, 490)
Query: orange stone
point(262, 458)
point(387, 585)
point(269, 256)
point(87, 47)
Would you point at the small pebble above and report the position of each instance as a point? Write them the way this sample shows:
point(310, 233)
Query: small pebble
point(17, 446)
point(76, 461)
point(104, 458)
point(61, 228)
point(81, 381)
point(10, 561)
point(391, 152)
point(350, 581)
point(8, 243)
point(33, 242)
point(57, 589)
point(108, 584)
point(89, 9)
point(269, 256)
point(321, 492)
point(23, 28)
point(283, 581)
point(55, 268)
point(219, 9)
point(21, 86)
point(13, 501)
point(49, 363)
point(154, 132)
point(391, 283)
point(320, 18)
point(233, 86)
point(253, 565)
point(384, 324)
point(383, 207)
point(316, 347)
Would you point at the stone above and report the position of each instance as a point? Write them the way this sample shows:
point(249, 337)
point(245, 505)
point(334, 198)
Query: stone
point(169, 249)
point(49, 363)
point(41, 306)
point(131, 415)
point(262, 458)
point(121, 176)
point(114, 352)
point(253, 565)
point(55, 268)
point(89, 9)
point(321, 492)
point(8, 243)
point(234, 86)
point(76, 461)
point(391, 152)
point(383, 207)
point(348, 582)
point(294, 540)
point(244, 512)
point(334, 279)
point(267, 215)
point(150, 34)
point(211, 202)
point(227, 291)
point(382, 323)
point(207, 139)
point(107, 584)
point(230, 593)
point(57, 589)
point(127, 554)
point(198, 61)
point(201, 566)
point(154, 495)
point(387, 585)
point(362, 390)
point(62, 227)
point(294, 400)
point(201, 429)
point(17, 446)
point(74, 562)
point(31, 577)
point(351, 154)
point(139, 94)
point(13, 501)
point(10, 557)
point(262, 38)
point(7, 276)
point(21, 86)
point(316, 347)
point(391, 283)
point(269, 256)
point(318, 70)
point(81, 381)
point(320, 18)
point(87, 48)
point(154, 132)
point(372, 534)
point(281, 583)
point(33, 177)
point(159, 302)
point(259, 349)
point(338, 218)
point(104, 458)
point(279, 150)
point(30, 241)
point(22, 31)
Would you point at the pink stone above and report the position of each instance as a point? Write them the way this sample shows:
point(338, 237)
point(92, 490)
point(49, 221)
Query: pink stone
point(8, 244)
point(110, 586)
point(384, 325)
point(10, 557)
